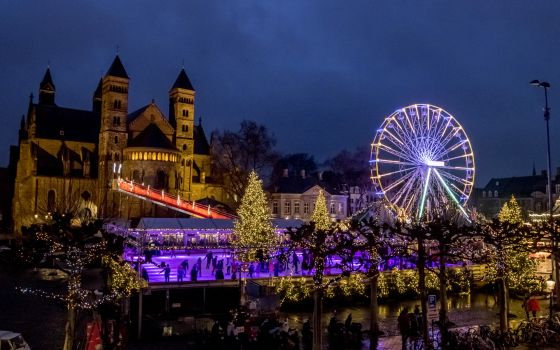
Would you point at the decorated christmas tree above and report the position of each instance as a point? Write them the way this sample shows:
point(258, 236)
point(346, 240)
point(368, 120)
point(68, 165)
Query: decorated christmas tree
point(511, 212)
point(253, 231)
point(320, 214)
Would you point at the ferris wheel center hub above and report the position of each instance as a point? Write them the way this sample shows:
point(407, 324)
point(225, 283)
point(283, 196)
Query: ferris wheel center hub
point(435, 163)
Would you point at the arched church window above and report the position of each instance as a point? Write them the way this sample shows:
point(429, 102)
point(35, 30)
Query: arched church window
point(184, 147)
point(116, 139)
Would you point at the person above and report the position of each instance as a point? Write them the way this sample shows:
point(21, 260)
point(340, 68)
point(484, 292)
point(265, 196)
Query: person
point(251, 270)
point(185, 265)
point(219, 274)
point(404, 326)
point(307, 335)
point(348, 322)
point(180, 273)
point(418, 316)
point(230, 330)
point(525, 305)
point(199, 267)
point(228, 266)
point(194, 273)
point(145, 274)
point(208, 258)
point(533, 306)
point(295, 261)
point(167, 272)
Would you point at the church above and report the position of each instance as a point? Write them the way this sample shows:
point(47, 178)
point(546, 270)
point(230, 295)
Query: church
point(68, 158)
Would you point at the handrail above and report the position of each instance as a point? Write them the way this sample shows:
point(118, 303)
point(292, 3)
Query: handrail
point(171, 201)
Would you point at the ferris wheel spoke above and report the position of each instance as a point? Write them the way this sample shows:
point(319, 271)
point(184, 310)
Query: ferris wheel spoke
point(451, 194)
point(424, 193)
point(409, 122)
point(458, 157)
point(396, 153)
point(390, 161)
point(455, 178)
point(463, 194)
point(396, 183)
point(396, 172)
point(461, 168)
point(405, 130)
point(404, 191)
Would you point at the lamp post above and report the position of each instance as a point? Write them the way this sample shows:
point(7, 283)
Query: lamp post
point(546, 111)
point(550, 288)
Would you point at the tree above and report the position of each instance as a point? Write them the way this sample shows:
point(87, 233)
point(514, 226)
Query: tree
point(236, 154)
point(511, 212)
point(320, 215)
point(253, 231)
point(76, 247)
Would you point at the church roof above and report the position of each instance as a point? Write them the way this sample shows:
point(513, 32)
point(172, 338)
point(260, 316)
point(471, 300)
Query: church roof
point(69, 124)
point(47, 80)
point(151, 137)
point(98, 89)
point(183, 81)
point(201, 145)
point(117, 69)
point(131, 116)
point(521, 186)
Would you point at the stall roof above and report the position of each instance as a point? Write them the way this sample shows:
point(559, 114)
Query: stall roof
point(202, 224)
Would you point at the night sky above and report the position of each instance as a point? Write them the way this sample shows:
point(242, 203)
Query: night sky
point(321, 75)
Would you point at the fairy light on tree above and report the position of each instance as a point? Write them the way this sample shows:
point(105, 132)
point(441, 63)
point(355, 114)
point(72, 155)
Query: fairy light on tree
point(511, 212)
point(253, 231)
point(320, 214)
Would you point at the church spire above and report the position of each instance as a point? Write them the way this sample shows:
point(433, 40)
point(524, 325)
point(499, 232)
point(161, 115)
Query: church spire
point(47, 89)
point(183, 81)
point(117, 69)
point(534, 170)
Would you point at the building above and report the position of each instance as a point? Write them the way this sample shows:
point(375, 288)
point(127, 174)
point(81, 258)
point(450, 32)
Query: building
point(67, 158)
point(294, 197)
point(530, 191)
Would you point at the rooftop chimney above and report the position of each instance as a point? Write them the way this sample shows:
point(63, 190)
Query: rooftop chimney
point(285, 172)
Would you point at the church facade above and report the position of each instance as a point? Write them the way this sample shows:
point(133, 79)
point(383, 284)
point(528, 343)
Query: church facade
point(68, 158)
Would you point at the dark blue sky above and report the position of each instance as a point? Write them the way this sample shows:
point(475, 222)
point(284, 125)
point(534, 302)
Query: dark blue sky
point(321, 75)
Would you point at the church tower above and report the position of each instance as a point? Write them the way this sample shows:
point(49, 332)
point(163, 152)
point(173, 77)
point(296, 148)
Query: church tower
point(113, 132)
point(47, 89)
point(181, 117)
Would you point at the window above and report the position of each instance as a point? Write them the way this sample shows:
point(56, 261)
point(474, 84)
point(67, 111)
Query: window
point(296, 207)
point(489, 194)
point(483, 194)
point(495, 193)
point(340, 208)
point(557, 188)
point(306, 208)
point(116, 139)
point(116, 121)
point(332, 208)
point(117, 104)
point(287, 207)
point(185, 113)
point(274, 207)
point(185, 128)
point(184, 147)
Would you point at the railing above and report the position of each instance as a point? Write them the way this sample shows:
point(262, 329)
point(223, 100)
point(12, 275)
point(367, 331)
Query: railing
point(160, 197)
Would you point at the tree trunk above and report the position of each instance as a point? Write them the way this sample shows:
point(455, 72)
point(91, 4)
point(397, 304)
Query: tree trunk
point(374, 312)
point(70, 329)
point(443, 299)
point(422, 287)
point(317, 315)
point(503, 304)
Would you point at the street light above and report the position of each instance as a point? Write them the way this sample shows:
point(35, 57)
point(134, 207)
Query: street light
point(546, 111)
point(550, 288)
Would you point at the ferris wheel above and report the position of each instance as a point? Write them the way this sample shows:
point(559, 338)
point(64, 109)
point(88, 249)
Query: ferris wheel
point(422, 161)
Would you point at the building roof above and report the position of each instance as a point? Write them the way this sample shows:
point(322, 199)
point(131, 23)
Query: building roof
point(152, 136)
point(131, 116)
point(117, 69)
point(521, 186)
point(183, 81)
point(201, 145)
point(98, 89)
point(299, 184)
point(47, 80)
point(69, 124)
point(203, 224)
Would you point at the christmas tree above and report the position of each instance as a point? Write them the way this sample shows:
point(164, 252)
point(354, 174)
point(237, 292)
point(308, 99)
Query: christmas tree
point(511, 212)
point(320, 214)
point(253, 231)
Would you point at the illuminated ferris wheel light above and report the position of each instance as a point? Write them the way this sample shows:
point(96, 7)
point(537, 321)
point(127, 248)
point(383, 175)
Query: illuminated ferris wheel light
point(422, 161)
